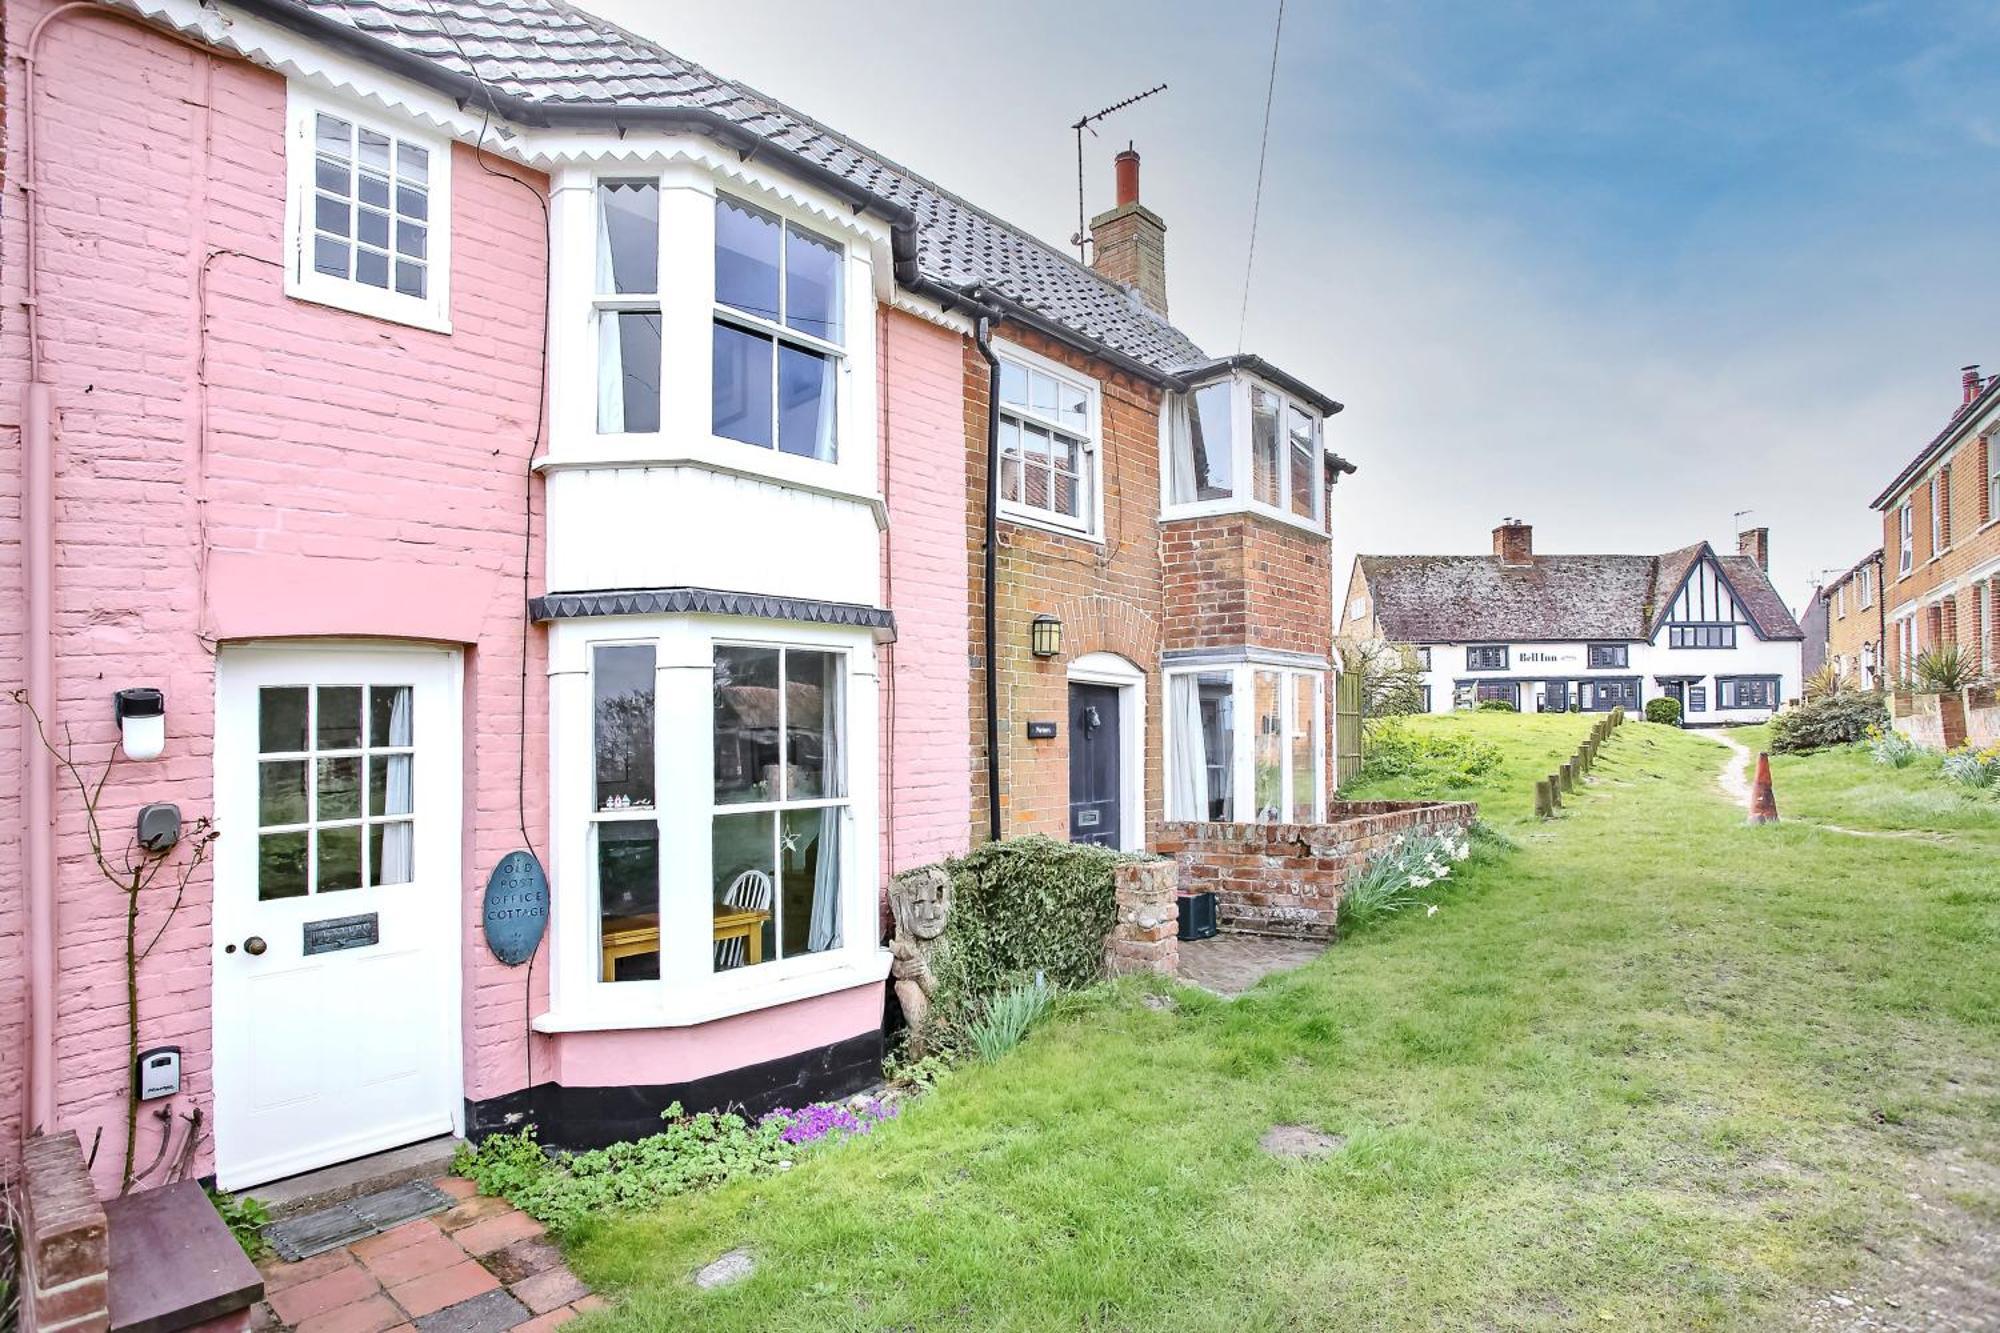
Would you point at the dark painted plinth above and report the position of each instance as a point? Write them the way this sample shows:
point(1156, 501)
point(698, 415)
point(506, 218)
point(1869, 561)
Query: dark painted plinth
point(580, 1118)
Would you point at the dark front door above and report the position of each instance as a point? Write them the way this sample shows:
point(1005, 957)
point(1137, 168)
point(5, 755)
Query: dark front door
point(1093, 765)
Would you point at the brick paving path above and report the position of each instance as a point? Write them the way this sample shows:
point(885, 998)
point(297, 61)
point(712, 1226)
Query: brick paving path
point(1230, 964)
point(482, 1267)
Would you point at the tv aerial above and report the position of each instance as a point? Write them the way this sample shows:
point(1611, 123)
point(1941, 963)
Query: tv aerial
point(1080, 240)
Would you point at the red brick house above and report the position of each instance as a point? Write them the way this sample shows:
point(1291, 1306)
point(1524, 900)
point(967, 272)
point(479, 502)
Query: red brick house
point(1161, 618)
point(1941, 572)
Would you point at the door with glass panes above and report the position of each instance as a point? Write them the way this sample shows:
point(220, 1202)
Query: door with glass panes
point(336, 952)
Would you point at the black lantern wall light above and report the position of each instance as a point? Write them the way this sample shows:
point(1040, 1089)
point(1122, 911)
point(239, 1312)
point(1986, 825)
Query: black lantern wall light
point(1045, 636)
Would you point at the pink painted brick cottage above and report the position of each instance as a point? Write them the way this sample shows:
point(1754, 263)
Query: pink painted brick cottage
point(487, 432)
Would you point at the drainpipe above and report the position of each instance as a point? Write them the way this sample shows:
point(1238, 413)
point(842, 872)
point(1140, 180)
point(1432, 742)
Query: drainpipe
point(38, 564)
point(981, 334)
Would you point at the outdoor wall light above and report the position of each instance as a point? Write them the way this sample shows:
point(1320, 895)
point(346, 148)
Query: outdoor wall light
point(1045, 636)
point(142, 722)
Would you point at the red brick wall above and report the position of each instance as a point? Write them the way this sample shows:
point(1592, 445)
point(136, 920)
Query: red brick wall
point(1233, 579)
point(1108, 596)
point(1287, 879)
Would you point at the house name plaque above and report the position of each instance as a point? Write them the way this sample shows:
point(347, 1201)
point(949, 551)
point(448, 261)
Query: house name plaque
point(517, 907)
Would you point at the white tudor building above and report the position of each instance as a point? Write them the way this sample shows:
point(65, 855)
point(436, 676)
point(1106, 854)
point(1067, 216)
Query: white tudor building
point(1587, 633)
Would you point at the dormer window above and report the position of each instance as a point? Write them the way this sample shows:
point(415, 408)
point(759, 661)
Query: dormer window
point(1240, 444)
point(777, 332)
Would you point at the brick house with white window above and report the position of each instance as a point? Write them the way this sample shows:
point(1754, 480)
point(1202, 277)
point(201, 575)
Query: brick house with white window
point(1175, 549)
point(1586, 633)
point(1941, 537)
point(458, 436)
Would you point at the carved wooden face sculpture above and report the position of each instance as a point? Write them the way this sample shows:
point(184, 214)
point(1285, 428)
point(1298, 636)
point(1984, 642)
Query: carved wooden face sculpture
point(921, 901)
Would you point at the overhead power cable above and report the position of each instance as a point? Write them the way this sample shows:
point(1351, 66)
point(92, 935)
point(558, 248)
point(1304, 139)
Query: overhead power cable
point(1257, 199)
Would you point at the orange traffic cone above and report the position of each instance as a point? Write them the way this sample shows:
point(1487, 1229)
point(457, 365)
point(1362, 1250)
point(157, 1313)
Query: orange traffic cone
point(1763, 801)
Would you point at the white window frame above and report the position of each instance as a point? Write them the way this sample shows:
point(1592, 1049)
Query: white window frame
point(1240, 462)
point(780, 332)
point(1243, 688)
point(1865, 591)
point(1089, 523)
point(689, 990)
point(1906, 538)
point(302, 282)
point(1992, 444)
point(1940, 520)
point(690, 178)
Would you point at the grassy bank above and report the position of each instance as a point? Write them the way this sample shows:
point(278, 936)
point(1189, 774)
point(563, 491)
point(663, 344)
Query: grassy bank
point(1652, 1069)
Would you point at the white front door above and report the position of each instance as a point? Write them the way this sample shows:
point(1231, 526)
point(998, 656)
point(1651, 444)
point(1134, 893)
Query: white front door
point(336, 979)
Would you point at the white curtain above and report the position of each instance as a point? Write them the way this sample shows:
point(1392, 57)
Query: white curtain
point(823, 446)
point(824, 930)
point(1187, 751)
point(1180, 449)
point(398, 840)
point(610, 356)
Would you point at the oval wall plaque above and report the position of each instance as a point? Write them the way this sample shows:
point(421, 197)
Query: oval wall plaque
point(517, 907)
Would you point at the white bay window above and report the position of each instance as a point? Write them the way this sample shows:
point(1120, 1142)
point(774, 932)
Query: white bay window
point(1239, 444)
point(1245, 742)
point(713, 847)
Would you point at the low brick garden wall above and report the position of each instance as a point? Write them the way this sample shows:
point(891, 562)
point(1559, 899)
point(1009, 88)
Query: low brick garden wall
point(1947, 721)
point(1286, 879)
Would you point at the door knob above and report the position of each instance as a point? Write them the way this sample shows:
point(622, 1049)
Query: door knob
point(254, 946)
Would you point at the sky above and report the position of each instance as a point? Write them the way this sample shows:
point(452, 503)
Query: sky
point(1619, 269)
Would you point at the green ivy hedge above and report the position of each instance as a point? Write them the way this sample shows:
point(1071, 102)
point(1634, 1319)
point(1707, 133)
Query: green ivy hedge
point(1021, 908)
point(1029, 905)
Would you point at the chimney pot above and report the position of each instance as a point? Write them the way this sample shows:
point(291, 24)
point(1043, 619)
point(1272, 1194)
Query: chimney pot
point(1127, 163)
point(1968, 378)
point(1130, 241)
point(1514, 542)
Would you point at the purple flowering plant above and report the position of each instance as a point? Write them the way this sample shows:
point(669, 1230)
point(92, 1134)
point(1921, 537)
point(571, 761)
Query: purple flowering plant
point(819, 1120)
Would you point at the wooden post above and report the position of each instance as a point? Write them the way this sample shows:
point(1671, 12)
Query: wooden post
point(1555, 791)
point(1569, 776)
point(1544, 805)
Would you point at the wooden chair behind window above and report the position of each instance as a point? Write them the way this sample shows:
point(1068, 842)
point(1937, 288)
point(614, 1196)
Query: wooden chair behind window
point(750, 891)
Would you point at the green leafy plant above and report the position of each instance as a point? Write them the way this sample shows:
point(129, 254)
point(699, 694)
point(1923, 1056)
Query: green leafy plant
point(1434, 759)
point(1667, 712)
point(1826, 682)
point(1395, 880)
point(1025, 908)
point(1496, 706)
point(1944, 670)
point(1891, 748)
point(1007, 1018)
point(1973, 768)
point(1831, 719)
point(245, 1217)
point(563, 1189)
point(921, 1074)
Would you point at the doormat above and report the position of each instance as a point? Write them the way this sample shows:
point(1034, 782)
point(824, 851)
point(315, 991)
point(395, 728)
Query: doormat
point(302, 1237)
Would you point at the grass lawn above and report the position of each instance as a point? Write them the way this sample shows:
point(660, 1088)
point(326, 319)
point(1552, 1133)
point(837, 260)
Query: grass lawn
point(1652, 1068)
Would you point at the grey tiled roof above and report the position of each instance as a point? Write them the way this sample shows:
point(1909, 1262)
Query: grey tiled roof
point(555, 56)
point(1476, 599)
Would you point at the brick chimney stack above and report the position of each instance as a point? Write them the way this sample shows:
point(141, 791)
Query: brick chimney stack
point(1514, 542)
point(1969, 383)
point(1755, 543)
point(1129, 242)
